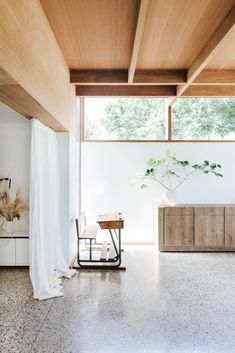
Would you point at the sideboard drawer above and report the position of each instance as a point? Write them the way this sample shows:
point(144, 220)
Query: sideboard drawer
point(178, 226)
point(230, 226)
point(7, 252)
point(209, 226)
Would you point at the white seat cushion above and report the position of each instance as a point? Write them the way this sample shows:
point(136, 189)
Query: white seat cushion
point(90, 231)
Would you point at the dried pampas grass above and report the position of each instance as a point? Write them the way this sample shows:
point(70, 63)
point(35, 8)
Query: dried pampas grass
point(11, 208)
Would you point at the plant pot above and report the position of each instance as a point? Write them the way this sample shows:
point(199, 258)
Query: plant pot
point(9, 227)
point(170, 198)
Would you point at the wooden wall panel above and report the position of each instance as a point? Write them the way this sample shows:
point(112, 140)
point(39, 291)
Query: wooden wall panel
point(209, 225)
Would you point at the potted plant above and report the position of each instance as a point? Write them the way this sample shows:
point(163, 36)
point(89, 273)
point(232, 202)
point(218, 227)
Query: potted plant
point(11, 208)
point(171, 173)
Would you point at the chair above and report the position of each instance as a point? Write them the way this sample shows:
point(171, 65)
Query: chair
point(89, 233)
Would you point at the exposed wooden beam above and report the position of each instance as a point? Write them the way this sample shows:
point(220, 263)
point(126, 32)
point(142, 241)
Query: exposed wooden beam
point(209, 91)
point(151, 77)
point(164, 77)
point(159, 77)
point(207, 52)
point(215, 77)
point(18, 99)
point(144, 4)
point(98, 76)
point(128, 90)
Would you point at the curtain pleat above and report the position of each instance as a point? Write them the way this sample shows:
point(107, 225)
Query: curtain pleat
point(47, 263)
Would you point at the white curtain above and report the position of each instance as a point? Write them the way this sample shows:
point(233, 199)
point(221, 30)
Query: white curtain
point(47, 264)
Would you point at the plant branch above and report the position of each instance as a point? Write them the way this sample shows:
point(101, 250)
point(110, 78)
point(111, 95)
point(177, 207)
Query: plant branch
point(161, 184)
point(183, 180)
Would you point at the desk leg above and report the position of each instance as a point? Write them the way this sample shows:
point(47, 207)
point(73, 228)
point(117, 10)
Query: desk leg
point(90, 250)
point(120, 249)
point(117, 237)
point(114, 244)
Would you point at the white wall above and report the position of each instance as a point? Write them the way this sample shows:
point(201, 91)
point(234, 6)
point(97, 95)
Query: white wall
point(15, 133)
point(108, 168)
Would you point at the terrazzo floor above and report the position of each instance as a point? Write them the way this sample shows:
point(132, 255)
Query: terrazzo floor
point(163, 303)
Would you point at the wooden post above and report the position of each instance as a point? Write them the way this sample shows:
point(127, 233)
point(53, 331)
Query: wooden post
point(168, 121)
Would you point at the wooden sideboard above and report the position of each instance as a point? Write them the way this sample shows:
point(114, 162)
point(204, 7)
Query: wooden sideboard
point(196, 228)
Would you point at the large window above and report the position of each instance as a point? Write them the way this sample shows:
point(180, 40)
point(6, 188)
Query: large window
point(145, 119)
point(203, 119)
point(124, 118)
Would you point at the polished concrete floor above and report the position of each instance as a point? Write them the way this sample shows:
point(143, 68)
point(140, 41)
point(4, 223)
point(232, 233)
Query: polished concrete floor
point(163, 303)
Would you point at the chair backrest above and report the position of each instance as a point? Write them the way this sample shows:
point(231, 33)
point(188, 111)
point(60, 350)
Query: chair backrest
point(81, 223)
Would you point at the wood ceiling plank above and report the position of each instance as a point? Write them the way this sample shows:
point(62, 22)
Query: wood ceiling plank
point(212, 46)
point(94, 34)
point(144, 4)
point(209, 91)
point(126, 91)
point(207, 52)
point(176, 31)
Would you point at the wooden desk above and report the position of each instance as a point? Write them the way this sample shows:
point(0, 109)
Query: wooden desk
point(114, 227)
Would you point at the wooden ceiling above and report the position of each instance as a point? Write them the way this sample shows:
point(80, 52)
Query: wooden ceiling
point(178, 47)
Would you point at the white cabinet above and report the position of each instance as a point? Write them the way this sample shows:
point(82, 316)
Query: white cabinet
point(14, 251)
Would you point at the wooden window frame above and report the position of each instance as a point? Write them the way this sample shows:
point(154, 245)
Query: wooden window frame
point(168, 132)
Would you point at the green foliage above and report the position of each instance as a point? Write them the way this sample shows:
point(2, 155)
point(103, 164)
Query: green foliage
point(91, 129)
point(171, 172)
point(203, 118)
point(135, 118)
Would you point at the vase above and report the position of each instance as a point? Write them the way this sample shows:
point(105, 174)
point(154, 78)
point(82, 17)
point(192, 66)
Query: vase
point(9, 227)
point(170, 198)
point(16, 225)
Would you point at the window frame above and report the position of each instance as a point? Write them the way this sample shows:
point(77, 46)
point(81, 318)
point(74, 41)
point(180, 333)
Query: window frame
point(168, 131)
